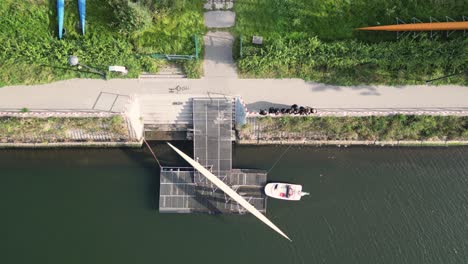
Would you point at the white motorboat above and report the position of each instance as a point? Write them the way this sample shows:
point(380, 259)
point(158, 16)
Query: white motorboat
point(284, 191)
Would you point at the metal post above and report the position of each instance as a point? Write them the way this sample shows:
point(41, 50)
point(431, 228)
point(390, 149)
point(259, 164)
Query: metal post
point(196, 46)
point(240, 49)
point(431, 19)
point(443, 77)
point(415, 20)
point(464, 19)
point(398, 33)
point(448, 20)
point(103, 74)
point(74, 61)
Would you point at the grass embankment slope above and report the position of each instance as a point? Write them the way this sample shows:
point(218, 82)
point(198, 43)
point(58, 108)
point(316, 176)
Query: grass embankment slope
point(116, 32)
point(380, 128)
point(317, 40)
point(59, 129)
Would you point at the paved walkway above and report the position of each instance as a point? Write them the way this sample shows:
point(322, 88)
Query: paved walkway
point(218, 61)
point(257, 93)
point(220, 19)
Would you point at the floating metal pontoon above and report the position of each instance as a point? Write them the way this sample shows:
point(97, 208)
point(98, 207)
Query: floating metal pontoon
point(184, 190)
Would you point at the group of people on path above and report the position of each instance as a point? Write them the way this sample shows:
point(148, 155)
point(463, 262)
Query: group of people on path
point(293, 110)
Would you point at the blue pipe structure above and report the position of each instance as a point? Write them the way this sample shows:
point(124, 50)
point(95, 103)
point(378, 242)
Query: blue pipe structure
point(82, 13)
point(60, 12)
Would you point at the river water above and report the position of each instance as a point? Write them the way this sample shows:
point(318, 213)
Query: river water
point(367, 205)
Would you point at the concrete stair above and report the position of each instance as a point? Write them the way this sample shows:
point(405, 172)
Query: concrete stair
point(166, 111)
point(168, 116)
point(166, 72)
point(218, 4)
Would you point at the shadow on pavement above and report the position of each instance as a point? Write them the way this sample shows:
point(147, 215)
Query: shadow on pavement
point(366, 89)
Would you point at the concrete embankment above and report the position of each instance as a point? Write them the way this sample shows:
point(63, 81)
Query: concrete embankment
point(129, 144)
point(345, 143)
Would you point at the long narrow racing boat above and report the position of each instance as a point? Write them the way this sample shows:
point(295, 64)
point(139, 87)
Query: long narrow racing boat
point(82, 13)
point(434, 26)
point(229, 191)
point(60, 12)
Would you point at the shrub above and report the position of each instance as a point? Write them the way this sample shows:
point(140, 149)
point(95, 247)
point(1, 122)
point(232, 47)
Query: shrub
point(192, 68)
point(130, 16)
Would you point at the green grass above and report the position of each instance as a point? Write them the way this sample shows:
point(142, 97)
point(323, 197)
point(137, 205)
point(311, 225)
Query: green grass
point(172, 33)
point(335, 19)
point(316, 40)
point(350, 62)
point(29, 129)
point(31, 52)
point(396, 127)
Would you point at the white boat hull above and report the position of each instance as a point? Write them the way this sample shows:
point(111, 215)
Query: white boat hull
point(284, 191)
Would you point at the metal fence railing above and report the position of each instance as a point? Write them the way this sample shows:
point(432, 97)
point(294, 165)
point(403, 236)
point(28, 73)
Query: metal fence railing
point(169, 57)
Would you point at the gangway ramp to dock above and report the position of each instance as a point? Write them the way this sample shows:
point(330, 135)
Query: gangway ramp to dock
point(212, 135)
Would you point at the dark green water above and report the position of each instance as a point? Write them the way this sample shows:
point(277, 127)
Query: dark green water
point(367, 205)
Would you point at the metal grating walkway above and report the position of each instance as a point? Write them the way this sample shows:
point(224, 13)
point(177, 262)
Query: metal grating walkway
point(212, 135)
point(179, 194)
